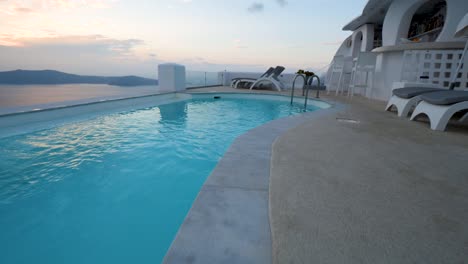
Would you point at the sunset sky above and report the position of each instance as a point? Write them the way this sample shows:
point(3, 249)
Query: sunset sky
point(120, 37)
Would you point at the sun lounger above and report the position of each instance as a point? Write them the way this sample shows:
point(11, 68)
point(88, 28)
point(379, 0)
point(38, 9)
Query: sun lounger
point(272, 79)
point(236, 81)
point(439, 107)
point(404, 99)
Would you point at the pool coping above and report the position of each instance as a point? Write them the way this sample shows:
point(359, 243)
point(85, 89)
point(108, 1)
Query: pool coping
point(17, 123)
point(229, 221)
point(19, 110)
point(32, 121)
point(38, 108)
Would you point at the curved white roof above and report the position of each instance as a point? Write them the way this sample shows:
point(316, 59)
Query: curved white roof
point(373, 13)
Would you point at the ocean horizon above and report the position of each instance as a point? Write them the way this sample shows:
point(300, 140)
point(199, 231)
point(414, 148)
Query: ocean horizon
point(29, 95)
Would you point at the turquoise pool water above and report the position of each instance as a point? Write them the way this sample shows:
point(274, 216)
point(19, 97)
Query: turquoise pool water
point(115, 189)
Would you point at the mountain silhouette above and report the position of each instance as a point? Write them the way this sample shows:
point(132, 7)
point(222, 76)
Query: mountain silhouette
point(57, 77)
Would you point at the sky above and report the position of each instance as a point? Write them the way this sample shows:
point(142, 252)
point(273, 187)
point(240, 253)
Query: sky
point(123, 37)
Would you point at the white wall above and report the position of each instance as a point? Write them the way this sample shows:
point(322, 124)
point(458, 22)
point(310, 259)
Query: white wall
point(398, 19)
point(171, 77)
point(344, 50)
point(456, 10)
point(366, 44)
point(396, 26)
point(387, 71)
point(400, 13)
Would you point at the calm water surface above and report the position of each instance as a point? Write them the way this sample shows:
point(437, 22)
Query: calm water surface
point(115, 189)
point(25, 95)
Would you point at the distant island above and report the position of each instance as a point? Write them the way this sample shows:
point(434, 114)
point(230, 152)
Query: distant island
point(56, 77)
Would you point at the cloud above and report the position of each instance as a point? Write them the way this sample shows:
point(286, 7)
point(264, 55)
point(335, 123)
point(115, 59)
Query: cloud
point(14, 9)
point(71, 4)
point(282, 2)
point(89, 54)
point(256, 7)
point(23, 10)
point(86, 42)
point(48, 5)
point(70, 46)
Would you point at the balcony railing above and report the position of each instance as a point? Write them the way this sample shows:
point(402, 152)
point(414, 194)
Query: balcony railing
point(198, 79)
point(434, 66)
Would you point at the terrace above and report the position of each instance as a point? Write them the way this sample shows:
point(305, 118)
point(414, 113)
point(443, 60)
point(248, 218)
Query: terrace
point(352, 184)
point(241, 175)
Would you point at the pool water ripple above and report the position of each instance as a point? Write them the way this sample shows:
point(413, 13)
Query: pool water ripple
point(116, 188)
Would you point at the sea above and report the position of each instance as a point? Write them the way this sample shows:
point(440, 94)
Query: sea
point(12, 96)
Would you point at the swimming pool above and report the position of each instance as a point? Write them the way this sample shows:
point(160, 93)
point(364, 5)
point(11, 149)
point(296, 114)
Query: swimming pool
point(116, 188)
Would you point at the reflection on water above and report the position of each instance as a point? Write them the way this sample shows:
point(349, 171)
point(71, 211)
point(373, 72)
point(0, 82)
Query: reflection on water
point(52, 155)
point(24, 95)
point(174, 111)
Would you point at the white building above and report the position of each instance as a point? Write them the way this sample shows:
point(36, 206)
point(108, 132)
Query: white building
point(400, 41)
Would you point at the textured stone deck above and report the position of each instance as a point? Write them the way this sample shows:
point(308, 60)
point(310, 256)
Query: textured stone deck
point(383, 190)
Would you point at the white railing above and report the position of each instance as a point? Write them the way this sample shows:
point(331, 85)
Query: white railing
point(434, 67)
point(196, 79)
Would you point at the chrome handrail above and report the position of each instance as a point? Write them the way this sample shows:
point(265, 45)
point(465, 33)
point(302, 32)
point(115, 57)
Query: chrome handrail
point(306, 86)
point(294, 85)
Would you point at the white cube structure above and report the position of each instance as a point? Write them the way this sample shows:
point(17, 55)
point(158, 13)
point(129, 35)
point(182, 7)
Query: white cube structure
point(171, 77)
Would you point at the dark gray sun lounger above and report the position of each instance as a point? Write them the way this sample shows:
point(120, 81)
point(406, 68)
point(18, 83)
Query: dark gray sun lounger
point(410, 92)
point(445, 97)
point(405, 99)
point(272, 79)
point(270, 76)
point(441, 106)
point(235, 81)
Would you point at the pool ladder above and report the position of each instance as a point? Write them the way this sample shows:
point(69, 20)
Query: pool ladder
point(307, 84)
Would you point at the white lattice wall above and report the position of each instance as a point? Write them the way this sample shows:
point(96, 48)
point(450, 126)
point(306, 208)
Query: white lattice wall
point(438, 65)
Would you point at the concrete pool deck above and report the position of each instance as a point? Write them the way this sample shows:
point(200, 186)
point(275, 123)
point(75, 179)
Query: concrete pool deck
point(384, 190)
point(378, 190)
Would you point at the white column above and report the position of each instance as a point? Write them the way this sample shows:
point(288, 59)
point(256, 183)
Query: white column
point(171, 77)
